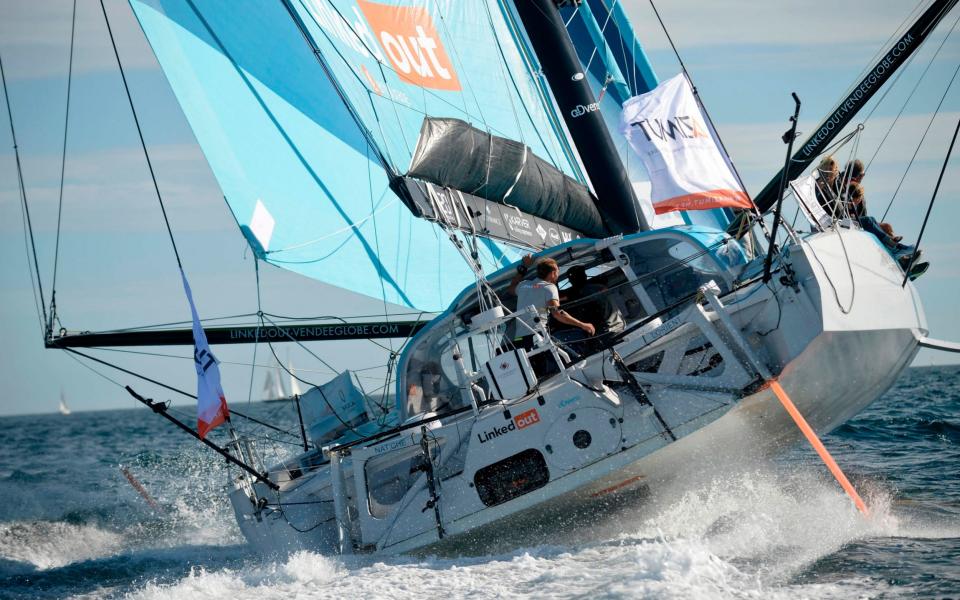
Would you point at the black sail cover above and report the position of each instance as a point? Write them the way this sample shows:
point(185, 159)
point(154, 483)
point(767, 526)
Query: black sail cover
point(452, 153)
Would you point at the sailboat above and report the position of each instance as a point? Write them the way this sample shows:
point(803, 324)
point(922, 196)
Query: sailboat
point(274, 387)
point(63, 408)
point(414, 152)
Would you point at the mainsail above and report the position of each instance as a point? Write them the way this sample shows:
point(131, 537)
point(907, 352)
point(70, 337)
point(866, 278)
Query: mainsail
point(305, 110)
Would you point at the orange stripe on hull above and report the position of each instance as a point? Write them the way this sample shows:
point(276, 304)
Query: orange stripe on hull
point(614, 488)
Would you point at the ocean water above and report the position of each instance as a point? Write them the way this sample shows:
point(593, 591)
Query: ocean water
point(72, 526)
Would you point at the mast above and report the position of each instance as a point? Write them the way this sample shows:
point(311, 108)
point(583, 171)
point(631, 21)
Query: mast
point(825, 132)
point(581, 113)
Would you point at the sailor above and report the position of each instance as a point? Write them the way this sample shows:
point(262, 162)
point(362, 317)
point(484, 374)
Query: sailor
point(855, 200)
point(543, 295)
point(827, 191)
point(852, 173)
point(586, 301)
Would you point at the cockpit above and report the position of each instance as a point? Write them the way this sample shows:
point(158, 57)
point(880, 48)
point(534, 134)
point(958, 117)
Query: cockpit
point(619, 282)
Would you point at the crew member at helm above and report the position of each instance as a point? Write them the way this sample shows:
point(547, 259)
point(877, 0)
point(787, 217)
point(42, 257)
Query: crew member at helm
point(543, 295)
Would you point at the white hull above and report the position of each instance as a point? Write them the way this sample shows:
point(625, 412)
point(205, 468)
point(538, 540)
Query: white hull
point(835, 343)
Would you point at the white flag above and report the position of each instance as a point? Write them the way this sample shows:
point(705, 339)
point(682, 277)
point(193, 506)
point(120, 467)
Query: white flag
point(211, 404)
point(687, 170)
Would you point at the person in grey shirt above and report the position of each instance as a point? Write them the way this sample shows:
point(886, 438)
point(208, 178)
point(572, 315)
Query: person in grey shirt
point(542, 294)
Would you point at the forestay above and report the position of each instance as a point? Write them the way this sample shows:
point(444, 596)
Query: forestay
point(303, 144)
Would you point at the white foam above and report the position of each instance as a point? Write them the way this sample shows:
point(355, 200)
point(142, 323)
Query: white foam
point(47, 545)
point(736, 535)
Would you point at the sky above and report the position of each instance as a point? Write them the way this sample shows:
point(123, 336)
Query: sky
point(116, 268)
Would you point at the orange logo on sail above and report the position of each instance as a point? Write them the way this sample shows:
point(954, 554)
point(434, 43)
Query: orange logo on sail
point(412, 45)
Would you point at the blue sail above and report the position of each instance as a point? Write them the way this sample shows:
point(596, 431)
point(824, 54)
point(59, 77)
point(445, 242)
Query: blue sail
point(305, 109)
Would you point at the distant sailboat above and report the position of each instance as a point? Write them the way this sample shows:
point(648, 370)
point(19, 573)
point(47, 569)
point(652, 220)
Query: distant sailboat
point(63, 408)
point(294, 383)
point(275, 387)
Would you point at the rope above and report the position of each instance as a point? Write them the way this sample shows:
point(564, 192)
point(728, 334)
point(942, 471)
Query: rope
point(853, 282)
point(936, 189)
point(920, 143)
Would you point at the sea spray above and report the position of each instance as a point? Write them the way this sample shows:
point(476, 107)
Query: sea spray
point(729, 529)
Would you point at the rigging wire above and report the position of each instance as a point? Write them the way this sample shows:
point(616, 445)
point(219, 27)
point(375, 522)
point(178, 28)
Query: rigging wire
point(235, 363)
point(881, 50)
point(33, 281)
point(23, 200)
point(256, 335)
point(453, 43)
point(920, 143)
point(166, 387)
point(367, 134)
point(376, 240)
point(63, 168)
point(910, 96)
point(916, 251)
point(143, 143)
point(603, 30)
point(700, 103)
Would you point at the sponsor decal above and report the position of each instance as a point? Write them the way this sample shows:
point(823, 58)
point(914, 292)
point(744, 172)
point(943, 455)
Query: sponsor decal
point(541, 232)
point(335, 331)
point(554, 235)
point(580, 110)
point(526, 419)
point(518, 224)
point(679, 127)
point(392, 445)
point(410, 41)
point(521, 421)
point(492, 216)
point(663, 330)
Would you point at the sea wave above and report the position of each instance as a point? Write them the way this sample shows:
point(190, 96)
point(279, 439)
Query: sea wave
point(46, 545)
point(742, 535)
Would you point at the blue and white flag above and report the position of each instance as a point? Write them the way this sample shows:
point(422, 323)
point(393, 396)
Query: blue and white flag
point(211, 403)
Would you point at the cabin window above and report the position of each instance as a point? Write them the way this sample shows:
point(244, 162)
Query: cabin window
point(388, 478)
point(390, 475)
point(670, 269)
point(430, 381)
